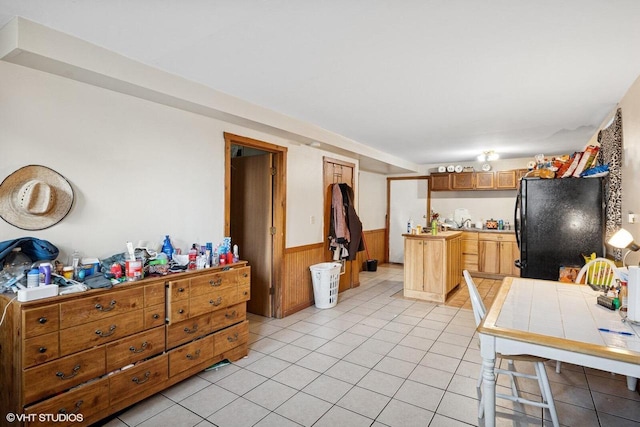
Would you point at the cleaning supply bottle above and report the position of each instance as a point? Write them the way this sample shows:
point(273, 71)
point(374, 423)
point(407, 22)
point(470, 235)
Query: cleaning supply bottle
point(167, 247)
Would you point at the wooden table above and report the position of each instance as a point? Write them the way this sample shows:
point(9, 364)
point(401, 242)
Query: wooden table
point(558, 321)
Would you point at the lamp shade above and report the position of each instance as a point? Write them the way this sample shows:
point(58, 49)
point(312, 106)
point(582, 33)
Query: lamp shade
point(623, 239)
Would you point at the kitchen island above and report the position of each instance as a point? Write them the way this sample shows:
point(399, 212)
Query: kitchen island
point(432, 265)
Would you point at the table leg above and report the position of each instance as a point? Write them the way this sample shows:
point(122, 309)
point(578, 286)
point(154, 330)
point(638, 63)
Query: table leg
point(489, 391)
point(632, 383)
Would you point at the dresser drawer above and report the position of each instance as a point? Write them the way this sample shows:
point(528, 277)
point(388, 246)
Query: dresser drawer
point(87, 400)
point(154, 294)
point(187, 330)
point(40, 349)
point(101, 306)
point(134, 381)
point(190, 355)
point(178, 290)
point(212, 301)
point(208, 283)
point(179, 311)
point(62, 374)
point(41, 320)
point(154, 316)
point(229, 316)
point(231, 337)
point(134, 348)
point(100, 331)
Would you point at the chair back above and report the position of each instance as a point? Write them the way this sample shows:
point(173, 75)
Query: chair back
point(599, 272)
point(479, 310)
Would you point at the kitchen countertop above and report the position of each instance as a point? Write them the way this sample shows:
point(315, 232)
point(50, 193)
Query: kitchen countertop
point(441, 235)
point(484, 230)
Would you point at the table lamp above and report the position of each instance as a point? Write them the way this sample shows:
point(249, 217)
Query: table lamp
point(622, 239)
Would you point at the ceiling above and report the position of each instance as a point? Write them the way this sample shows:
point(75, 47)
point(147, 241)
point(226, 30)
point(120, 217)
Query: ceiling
point(427, 81)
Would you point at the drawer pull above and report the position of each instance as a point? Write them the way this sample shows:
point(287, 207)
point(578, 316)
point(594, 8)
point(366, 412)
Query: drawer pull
point(181, 311)
point(245, 293)
point(216, 282)
point(245, 275)
point(62, 376)
point(216, 302)
point(139, 381)
point(112, 329)
point(42, 320)
point(42, 349)
point(234, 338)
point(142, 348)
point(194, 356)
point(231, 315)
point(191, 331)
point(180, 289)
point(156, 316)
point(112, 305)
point(78, 405)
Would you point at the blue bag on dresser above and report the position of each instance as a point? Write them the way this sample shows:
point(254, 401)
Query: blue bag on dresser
point(35, 249)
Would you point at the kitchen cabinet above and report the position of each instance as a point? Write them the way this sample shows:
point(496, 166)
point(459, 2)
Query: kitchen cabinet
point(462, 181)
point(506, 180)
point(465, 181)
point(469, 249)
point(440, 182)
point(497, 253)
point(97, 352)
point(432, 265)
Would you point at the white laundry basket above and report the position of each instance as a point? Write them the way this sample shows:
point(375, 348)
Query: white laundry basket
point(326, 278)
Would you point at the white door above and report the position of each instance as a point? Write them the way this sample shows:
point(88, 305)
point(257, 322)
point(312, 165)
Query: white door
point(407, 200)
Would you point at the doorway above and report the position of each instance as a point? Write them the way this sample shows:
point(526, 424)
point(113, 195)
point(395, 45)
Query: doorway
point(254, 215)
point(408, 199)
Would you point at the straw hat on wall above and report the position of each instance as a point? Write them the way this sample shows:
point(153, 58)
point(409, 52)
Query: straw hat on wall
point(35, 197)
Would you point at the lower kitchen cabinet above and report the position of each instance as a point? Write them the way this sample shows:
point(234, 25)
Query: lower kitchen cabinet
point(497, 254)
point(432, 266)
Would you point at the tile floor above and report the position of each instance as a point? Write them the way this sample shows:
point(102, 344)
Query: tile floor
point(376, 359)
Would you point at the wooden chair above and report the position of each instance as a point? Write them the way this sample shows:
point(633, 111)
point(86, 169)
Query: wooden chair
point(479, 311)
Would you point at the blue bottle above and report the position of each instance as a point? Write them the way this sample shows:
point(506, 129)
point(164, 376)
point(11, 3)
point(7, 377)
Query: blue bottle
point(167, 248)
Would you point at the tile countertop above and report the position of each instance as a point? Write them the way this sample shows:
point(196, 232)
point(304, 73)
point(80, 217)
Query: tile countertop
point(484, 230)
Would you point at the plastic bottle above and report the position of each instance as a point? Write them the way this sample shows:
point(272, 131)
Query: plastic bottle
point(167, 247)
point(434, 227)
point(33, 278)
point(236, 254)
point(409, 226)
point(193, 256)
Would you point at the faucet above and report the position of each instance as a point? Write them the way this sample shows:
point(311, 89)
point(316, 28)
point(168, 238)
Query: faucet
point(466, 223)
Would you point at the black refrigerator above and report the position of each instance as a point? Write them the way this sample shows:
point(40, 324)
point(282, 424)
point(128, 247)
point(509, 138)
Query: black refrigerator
point(556, 221)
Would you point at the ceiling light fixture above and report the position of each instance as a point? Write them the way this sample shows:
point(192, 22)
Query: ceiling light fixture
point(488, 156)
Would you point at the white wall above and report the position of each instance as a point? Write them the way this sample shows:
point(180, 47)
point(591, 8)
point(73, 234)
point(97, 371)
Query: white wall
point(630, 105)
point(139, 170)
point(372, 193)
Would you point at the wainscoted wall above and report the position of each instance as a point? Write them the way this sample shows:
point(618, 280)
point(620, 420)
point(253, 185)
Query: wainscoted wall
point(297, 288)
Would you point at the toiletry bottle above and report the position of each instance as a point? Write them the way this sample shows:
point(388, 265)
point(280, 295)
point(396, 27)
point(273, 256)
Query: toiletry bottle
point(193, 256)
point(167, 247)
point(236, 254)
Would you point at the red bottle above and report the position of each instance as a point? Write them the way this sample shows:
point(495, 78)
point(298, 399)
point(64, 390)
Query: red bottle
point(229, 258)
point(193, 256)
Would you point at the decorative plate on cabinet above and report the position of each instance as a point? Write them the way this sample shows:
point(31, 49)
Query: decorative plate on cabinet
point(451, 168)
point(486, 167)
point(458, 168)
point(442, 169)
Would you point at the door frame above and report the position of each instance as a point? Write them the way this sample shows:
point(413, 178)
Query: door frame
point(279, 205)
point(387, 219)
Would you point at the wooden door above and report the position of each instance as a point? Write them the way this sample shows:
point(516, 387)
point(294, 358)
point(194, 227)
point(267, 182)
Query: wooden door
point(414, 265)
point(488, 257)
point(484, 180)
point(509, 253)
point(338, 172)
point(251, 223)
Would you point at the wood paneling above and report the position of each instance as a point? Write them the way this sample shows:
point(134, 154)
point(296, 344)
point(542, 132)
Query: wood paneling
point(297, 289)
point(375, 240)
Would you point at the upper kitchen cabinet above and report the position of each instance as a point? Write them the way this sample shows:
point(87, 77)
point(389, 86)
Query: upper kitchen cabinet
point(440, 182)
point(463, 181)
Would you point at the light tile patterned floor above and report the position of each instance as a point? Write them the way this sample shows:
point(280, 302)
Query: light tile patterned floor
point(376, 359)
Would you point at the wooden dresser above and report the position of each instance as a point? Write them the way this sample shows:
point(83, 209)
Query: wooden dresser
point(81, 357)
